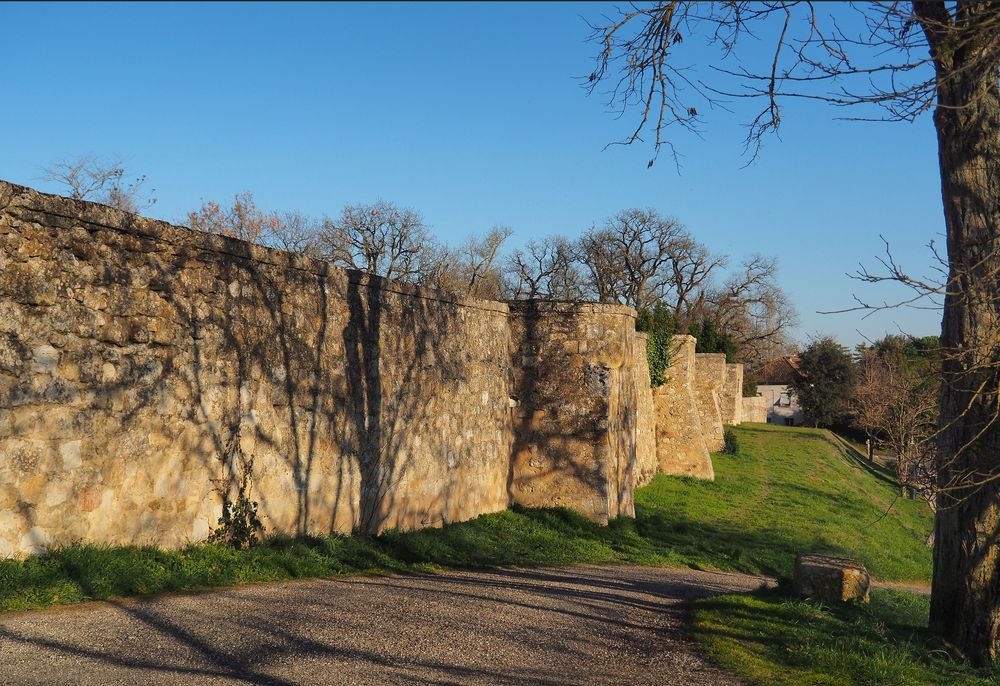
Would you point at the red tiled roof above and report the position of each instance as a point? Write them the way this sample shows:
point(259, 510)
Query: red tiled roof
point(780, 372)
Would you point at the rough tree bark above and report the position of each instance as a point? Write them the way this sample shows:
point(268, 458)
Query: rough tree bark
point(965, 603)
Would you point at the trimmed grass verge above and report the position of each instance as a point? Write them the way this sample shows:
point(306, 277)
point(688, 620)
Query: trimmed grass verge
point(774, 641)
point(787, 490)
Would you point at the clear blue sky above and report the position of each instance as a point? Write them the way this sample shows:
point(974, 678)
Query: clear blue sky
point(472, 114)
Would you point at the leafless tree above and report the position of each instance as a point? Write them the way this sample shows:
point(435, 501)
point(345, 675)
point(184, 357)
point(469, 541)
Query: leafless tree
point(752, 308)
point(906, 59)
point(628, 259)
point(692, 268)
point(298, 233)
point(241, 219)
point(898, 408)
point(545, 269)
point(244, 220)
point(103, 181)
point(638, 258)
point(480, 265)
point(473, 270)
point(380, 238)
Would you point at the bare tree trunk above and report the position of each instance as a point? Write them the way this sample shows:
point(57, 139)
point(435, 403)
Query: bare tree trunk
point(965, 604)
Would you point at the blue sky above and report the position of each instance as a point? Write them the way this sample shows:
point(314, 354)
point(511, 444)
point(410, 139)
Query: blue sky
point(472, 114)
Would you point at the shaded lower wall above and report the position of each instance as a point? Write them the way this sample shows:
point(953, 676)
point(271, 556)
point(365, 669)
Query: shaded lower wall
point(581, 388)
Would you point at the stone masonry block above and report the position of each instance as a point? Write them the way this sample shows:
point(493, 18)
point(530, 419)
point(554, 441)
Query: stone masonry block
point(833, 579)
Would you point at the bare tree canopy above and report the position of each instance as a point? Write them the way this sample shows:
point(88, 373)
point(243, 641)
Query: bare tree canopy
point(692, 268)
point(628, 259)
point(896, 61)
point(895, 402)
point(640, 258)
point(545, 269)
point(380, 238)
point(472, 270)
point(754, 310)
point(241, 219)
point(103, 181)
point(877, 54)
point(244, 220)
point(297, 233)
point(479, 263)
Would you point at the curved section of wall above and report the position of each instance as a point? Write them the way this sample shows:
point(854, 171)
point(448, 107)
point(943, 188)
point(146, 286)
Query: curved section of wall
point(577, 440)
point(680, 442)
point(710, 378)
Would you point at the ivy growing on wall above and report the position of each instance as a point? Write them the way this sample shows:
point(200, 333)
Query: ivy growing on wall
point(659, 323)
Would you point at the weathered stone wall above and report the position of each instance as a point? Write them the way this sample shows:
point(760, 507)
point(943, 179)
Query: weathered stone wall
point(646, 460)
point(731, 395)
point(710, 377)
point(146, 369)
point(755, 409)
point(680, 442)
point(579, 394)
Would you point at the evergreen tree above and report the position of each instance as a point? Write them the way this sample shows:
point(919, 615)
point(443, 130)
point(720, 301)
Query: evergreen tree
point(824, 389)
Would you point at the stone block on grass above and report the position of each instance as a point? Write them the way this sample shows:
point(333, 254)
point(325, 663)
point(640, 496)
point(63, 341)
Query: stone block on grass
point(834, 579)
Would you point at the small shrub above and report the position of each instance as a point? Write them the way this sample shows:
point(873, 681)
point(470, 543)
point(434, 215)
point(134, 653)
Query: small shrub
point(239, 525)
point(732, 443)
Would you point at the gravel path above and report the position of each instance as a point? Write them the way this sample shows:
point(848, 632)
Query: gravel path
point(578, 625)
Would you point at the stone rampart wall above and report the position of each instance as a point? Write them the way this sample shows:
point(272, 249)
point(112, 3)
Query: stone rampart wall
point(577, 440)
point(710, 378)
point(647, 464)
point(755, 409)
point(146, 370)
point(681, 449)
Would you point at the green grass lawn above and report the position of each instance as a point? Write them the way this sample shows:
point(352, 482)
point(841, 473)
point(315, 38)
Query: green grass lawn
point(773, 640)
point(788, 490)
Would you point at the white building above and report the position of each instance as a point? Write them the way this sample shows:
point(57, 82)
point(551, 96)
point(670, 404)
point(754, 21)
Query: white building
point(774, 382)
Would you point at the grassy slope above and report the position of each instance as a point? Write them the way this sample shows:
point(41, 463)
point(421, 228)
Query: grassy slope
point(835, 506)
point(788, 490)
point(773, 640)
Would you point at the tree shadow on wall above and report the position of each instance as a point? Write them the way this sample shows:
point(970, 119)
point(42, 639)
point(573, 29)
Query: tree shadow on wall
point(222, 350)
point(345, 453)
point(390, 403)
point(559, 440)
